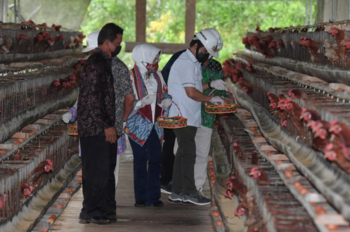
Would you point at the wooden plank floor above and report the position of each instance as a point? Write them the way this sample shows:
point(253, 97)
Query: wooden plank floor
point(172, 217)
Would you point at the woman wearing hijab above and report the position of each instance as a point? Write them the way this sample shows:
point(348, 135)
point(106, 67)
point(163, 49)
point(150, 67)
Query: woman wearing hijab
point(144, 133)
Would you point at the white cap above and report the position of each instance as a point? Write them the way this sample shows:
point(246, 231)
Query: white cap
point(91, 41)
point(218, 36)
point(209, 41)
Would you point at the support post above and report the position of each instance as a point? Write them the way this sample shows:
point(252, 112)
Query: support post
point(140, 20)
point(190, 20)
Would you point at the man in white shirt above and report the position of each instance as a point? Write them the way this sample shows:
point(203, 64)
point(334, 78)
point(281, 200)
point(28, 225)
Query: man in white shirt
point(186, 87)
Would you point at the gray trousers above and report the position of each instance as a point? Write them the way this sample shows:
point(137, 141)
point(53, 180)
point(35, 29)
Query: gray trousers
point(183, 173)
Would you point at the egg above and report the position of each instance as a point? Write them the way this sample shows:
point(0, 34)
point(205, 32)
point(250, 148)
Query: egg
point(320, 210)
point(219, 223)
point(332, 227)
point(288, 173)
point(216, 214)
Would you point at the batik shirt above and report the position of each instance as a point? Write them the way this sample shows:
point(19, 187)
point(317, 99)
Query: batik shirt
point(122, 87)
point(213, 71)
point(96, 101)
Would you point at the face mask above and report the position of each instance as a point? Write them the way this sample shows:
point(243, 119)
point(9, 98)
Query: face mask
point(116, 51)
point(152, 68)
point(201, 57)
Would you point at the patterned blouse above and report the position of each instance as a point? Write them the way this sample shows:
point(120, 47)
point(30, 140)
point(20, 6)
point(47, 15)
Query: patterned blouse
point(122, 87)
point(96, 104)
point(212, 71)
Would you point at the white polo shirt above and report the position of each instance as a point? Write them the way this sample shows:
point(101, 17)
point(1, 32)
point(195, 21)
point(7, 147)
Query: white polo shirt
point(185, 72)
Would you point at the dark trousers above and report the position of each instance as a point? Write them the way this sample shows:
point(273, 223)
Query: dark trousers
point(98, 163)
point(183, 174)
point(168, 157)
point(147, 159)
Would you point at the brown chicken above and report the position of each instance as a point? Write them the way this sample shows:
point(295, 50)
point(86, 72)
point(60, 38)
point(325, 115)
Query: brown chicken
point(294, 113)
point(3, 200)
point(26, 189)
point(341, 136)
point(311, 46)
point(273, 100)
point(259, 175)
point(296, 93)
point(309, 115)
point(39, 172)
point(238, 151)
point(335, 154)
point(339, 37)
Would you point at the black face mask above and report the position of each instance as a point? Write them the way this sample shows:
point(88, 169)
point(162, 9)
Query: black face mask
point(201, 57)
point(116, 51)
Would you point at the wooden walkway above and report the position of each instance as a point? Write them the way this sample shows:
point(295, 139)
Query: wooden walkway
point(170, 218)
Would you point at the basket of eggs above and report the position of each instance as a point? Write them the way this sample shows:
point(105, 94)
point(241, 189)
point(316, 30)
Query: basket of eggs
point(228, 107)
point(175, 122)
point(73, 129)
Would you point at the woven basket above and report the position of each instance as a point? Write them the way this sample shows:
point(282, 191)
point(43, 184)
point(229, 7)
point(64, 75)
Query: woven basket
point(221, 109)
point(175, 122)
point(73, 130)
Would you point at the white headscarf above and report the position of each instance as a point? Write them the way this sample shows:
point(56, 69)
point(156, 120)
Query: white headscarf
point(144, 53)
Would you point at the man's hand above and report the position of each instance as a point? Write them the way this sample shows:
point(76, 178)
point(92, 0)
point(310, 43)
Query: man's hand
point(111, 135)
point(218, 84)
point(216, 99)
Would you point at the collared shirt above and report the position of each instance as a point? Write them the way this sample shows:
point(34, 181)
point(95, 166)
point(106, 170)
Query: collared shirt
point(213, 71)
point(185, 72)
point(96, 101)
point(122, 87)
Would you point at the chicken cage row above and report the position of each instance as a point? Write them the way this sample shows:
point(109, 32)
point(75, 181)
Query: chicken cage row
point(329, 46)
point(22, 92)
point(32, 41)
point(46, 147)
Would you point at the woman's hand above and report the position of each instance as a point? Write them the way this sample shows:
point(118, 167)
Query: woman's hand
point(165, 103)
point(149, 99)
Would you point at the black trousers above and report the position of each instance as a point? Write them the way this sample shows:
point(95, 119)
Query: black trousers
point(183, 173)
point(98, 163)
point(168, 157)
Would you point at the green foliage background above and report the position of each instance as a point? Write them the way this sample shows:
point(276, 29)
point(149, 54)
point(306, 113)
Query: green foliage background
point(166, 20)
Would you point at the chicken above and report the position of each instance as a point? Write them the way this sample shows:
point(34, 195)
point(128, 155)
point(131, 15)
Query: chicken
point(254, 157)
point(347, 44)
point(339, 38)
point(280, 43)
point(250, 67)
point(311, 46)
point(21, 37)
point(39, 172)
point(309, 115)
point(245, 85)
point(335, 154)
point(234, 185)
point(320, 28)
point(259, 175)
point(273, 100)
point(5, 44)
point(238, 151)
point(3, 200)
point(294, 113)
point(26, 189)
point(296, 93)
point(241, 210)
point(321, 135)
point(331, 49)
point(56, 27)
point(341, 136)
